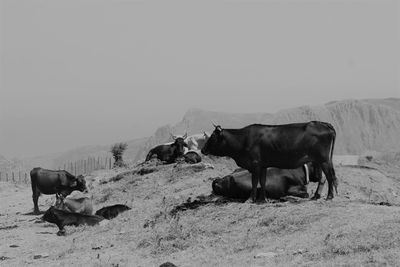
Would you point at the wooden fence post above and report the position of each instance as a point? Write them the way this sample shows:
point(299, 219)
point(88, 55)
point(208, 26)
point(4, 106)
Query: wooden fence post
point(13, 178)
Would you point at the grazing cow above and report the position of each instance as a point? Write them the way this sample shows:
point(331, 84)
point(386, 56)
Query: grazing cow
point(192, 157)
point(257, 147)
point(111, 212)
point(54, 182)
point(62, 218)
point(77, 202)
point(168, 153)
point(197, 141)
point(280, 182)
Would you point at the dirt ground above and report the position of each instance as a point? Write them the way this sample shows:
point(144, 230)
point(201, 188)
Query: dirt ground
point(358, 228)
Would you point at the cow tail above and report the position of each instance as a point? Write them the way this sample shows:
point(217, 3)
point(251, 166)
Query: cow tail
point(335, 181)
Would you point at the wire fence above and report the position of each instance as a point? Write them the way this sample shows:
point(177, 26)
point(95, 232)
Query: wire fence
point(86, 166)
point(79, 167)
point(15, 177)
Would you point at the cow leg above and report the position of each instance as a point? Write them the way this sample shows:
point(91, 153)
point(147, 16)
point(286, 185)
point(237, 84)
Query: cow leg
point(35, 194)
point(61, 229)
point(254, 183)
point(327, 168)
point(263, 179)
point(35, 198)
point(317, 194)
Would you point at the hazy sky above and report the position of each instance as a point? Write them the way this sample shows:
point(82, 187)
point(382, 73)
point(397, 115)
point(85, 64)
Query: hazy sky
point(77, 72)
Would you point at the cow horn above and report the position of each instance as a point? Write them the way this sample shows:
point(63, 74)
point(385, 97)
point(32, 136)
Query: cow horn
point(184, 136)
point(173, 136)
point(214, 124)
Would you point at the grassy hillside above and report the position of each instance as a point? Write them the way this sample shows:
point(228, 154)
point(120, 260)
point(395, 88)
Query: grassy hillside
point(358, 228)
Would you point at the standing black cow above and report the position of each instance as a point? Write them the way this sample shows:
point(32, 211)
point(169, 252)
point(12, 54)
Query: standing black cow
point(169, 153)
point(51, 182)
point(257, 147)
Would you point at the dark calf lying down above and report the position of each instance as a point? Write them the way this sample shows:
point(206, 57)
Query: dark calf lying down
point(279, 183)
point(111, 212)
point(62, 218)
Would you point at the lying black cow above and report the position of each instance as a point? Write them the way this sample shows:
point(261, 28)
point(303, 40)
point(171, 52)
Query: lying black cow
point(192, 157)
point(169, 153)
point(54, 182)
point(280, 183)
point(111, 212)
point(257, 147)
point(62, 218)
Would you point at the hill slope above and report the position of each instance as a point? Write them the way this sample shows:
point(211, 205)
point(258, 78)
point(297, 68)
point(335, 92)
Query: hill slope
point(357, 228)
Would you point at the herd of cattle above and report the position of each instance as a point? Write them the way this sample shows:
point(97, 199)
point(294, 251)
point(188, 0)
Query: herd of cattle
point(282, 159)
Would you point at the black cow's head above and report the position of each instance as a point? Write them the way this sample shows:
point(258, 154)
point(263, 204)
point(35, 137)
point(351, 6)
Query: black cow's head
point(219, 187)
point(216, 143)
point(179, 145)
point(49, 215)
point(80, 184)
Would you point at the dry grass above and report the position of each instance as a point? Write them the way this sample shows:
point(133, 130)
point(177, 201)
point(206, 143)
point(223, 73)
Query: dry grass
point(348, 231)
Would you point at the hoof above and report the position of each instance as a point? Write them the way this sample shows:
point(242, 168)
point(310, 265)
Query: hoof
point(304, 195)
point(329, 197)
point(61, 233)
point(263, 201)
point(36, 212)
point(250, 201)
point(316, 197)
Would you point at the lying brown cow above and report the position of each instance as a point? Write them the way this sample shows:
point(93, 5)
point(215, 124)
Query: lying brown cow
point(77, 202)
point(280, 182)
point(62, 218)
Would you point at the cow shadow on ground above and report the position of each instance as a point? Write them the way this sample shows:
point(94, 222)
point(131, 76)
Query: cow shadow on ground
point(33, 213)
point(216, 200)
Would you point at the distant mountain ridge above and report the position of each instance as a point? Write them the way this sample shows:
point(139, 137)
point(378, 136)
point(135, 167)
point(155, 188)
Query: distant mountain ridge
point(361, 125)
